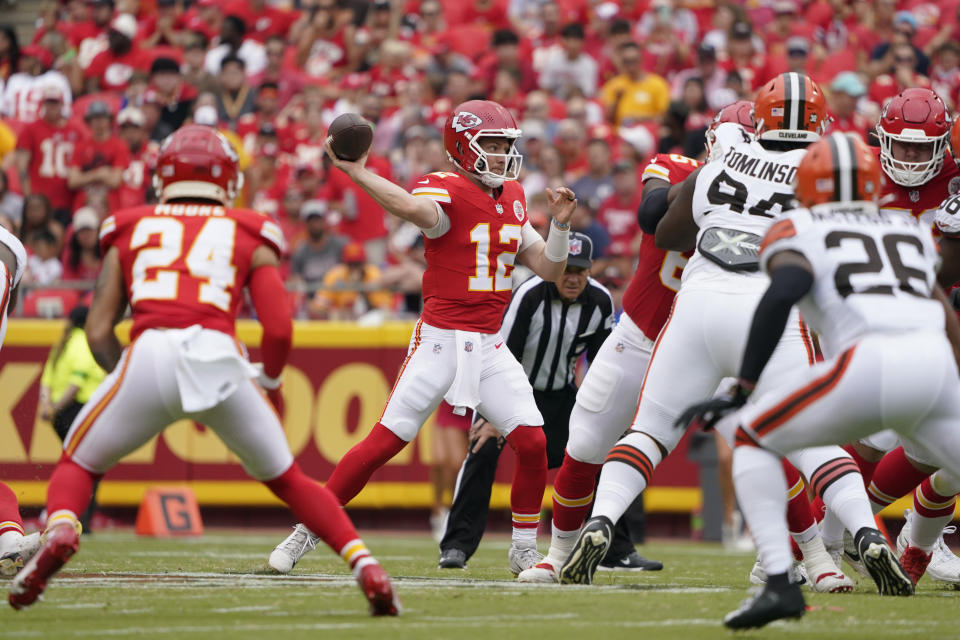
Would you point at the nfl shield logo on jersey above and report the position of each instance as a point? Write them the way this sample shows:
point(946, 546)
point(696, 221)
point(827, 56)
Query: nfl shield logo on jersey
point(518, 210)
point(499, 208)
point(437, 348)
point(914, 195)
point(468, 346)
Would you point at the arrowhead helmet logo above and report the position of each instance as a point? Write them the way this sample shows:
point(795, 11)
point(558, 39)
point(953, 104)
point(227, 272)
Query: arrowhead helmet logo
point(465, 120)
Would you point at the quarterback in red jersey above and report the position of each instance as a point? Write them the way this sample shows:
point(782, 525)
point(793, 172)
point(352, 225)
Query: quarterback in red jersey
point(183, 265)
point(475, 224)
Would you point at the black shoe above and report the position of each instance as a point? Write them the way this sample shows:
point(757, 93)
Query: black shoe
point(882, 564)
point(453, 559)
point(589, 550)
point(630, 562)
point(773, 603)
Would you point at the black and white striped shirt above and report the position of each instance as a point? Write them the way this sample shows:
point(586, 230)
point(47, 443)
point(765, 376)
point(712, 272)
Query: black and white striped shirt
point(547, 334)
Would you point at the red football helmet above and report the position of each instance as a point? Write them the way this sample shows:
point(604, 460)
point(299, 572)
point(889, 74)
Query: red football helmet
point(914, 116)
point(197, 162)
point(740, 112)
point(838, 168)
point(790, 108)
point(471, 121)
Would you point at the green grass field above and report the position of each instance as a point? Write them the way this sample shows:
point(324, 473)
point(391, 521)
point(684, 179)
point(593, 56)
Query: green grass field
point(219, 586)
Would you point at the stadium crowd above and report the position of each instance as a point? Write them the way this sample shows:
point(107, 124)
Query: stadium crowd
point(597, 87)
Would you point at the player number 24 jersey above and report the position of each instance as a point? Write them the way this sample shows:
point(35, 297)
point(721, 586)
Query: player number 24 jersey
point(187, 264)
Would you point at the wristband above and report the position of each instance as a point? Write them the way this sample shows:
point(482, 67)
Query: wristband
point(558, 243)
point(562, 226)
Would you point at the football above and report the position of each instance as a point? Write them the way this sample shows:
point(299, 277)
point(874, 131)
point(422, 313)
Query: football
point(351, 136)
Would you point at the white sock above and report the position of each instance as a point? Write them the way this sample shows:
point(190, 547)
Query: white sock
point(561, 544)
point(622, 482)
point(805, 536)
point(762, 493)
point(847, 498)
point(831, 529)
point(524, 538)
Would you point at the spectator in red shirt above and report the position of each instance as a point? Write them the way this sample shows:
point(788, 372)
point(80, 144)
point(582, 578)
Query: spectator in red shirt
point(489, 13)
point(902, 76)
point(945, 73)
point(44, 151)
point(845, 92)
point(110, 70)
point(135, 183)
point(618, 215)
point(81, 258)
point(268, 180)
point(506, 55)
point(262, 19)
point(267, 111)
point(288, 79)
point(205, 17)
point(98, 161)
point(362, 219)
point(166, 27)
point(744, 57)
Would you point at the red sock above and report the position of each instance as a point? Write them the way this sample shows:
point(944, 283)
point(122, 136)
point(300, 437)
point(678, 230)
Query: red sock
point(71, 487)
point(9, 511)
point(529, 475)
point(894, 478)
point(867, 468)
point(314, 506)
point(799, 514)
point(353, 471)
point(930, 504)
point(573, 493)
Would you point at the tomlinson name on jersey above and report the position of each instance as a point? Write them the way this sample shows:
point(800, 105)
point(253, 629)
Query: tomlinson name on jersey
point(760, 169)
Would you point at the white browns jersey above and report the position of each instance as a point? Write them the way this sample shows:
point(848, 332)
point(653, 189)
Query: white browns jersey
point(10, 281)
point(946, 218)
point(743, 190)
point(874, 271)
point(725, 135)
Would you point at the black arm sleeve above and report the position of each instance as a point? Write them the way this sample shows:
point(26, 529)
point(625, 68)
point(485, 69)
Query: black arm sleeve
point(652, 208)
point(787, 285)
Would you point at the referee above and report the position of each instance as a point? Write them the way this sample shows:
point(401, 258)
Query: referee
point(547, 326)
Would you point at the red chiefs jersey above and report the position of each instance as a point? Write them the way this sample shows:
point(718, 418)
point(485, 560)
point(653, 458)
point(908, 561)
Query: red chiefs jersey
point(132, 191)
point(921, 201)
point(187, 264)
point(650, 293)
point(618, 215)
point(467, 284)
point(51, 149)
point(91, 154)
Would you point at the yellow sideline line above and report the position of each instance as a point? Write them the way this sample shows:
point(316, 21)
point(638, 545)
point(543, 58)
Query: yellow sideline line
point(376, 495)
point(408, 495)
point(43, 333)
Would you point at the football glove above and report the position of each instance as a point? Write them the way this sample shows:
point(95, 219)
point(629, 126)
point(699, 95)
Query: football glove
point(706, 414)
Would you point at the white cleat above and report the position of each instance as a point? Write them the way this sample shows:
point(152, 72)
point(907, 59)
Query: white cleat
point(824, 576)
point(944, 565)
point(798, 574)
point(288, 553)
point(522, 559)
point(23, 548)
point(543, 573)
